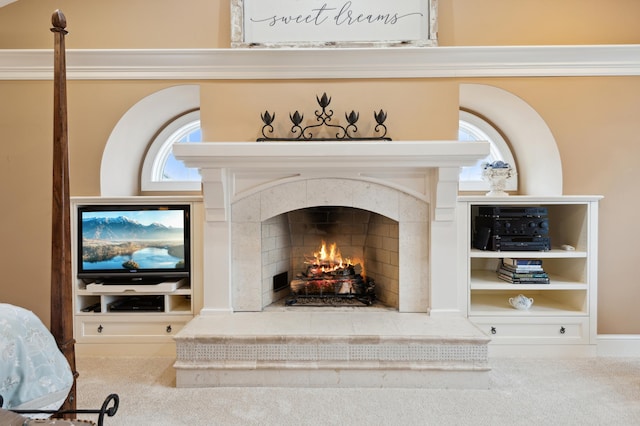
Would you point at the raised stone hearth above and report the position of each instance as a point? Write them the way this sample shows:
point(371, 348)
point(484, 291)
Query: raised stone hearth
point(421, 339)
point(343, 348)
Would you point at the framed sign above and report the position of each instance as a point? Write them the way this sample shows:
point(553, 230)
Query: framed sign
point(333, 23)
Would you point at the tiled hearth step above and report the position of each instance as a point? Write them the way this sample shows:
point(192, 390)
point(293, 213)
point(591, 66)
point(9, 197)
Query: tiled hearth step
point(273, 349)
point(331, 349)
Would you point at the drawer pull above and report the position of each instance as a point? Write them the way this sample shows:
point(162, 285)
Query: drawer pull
point(169, 329)
point(562, 330)
point(100, 328)
point(493, 330)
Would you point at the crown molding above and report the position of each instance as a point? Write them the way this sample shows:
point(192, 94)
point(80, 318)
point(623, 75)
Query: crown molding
point(325, 63)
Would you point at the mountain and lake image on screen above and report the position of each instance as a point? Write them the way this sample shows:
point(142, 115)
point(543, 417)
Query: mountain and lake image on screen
point(116, 242)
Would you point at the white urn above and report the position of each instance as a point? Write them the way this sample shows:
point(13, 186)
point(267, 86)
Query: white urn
point(496, 174)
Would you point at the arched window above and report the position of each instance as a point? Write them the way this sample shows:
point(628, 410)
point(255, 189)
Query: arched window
point(474, 128)
point(160, 170)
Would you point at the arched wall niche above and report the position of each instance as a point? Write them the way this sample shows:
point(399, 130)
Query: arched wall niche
point(530, 138)
point(119, 175)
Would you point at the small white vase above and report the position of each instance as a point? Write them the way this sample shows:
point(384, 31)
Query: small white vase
point(497, 178)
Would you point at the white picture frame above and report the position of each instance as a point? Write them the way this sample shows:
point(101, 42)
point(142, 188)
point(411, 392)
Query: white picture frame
point(333, 23)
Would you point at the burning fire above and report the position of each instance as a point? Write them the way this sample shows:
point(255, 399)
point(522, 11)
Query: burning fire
point(329, 275)
point(328, 260)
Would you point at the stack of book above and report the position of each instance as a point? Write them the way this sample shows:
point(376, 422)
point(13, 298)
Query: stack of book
point(522, 271)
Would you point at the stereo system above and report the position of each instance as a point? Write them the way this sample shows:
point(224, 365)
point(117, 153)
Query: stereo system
point(505, 228)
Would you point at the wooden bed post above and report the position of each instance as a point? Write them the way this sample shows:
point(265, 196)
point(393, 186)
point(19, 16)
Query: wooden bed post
point(61, 279)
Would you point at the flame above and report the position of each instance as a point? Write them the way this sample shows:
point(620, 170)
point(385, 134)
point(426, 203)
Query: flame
point(329, 259)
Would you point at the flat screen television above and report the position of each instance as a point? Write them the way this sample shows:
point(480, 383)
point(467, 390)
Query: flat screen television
point(133, 244)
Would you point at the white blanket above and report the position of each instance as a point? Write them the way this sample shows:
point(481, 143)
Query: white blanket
point(34, 374)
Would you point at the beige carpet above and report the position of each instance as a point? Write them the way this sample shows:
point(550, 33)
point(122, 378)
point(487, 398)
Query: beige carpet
point(602, 391)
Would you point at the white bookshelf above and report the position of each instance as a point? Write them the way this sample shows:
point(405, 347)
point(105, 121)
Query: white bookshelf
point(563, 317)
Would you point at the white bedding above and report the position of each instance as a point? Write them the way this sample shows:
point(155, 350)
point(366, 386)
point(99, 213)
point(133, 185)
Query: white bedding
point(34, 374)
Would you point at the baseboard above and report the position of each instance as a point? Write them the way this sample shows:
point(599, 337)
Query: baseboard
point(619, 345)
point(501, 350)
point(214, 311)
point(608, 345)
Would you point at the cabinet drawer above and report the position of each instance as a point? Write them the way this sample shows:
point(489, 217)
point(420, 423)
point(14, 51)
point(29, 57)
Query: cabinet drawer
point(535, 330)
point(100, 328)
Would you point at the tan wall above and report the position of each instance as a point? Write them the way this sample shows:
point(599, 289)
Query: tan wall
point(594, 120)
point(118, 24)
point(25, 190)
point(544, 22)
point(231, 110)
point(114, 24)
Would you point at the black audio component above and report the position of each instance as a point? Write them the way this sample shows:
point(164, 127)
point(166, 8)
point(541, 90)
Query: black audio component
point(502, 228)
point(481, 238)
point(528, 225)
point(535, 243)
point(511, 211)
point(138, 303)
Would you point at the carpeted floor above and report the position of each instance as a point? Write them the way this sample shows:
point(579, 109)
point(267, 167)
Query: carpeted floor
point(600, 391)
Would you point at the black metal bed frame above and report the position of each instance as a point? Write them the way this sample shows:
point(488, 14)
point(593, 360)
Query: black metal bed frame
point(109, 408)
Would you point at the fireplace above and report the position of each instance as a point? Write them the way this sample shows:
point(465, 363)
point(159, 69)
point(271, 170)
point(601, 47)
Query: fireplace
point(255, 197)
point(334, 255)
point(248, 186)
point(247, 232)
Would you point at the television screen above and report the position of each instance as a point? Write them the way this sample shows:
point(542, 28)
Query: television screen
point(142, 244)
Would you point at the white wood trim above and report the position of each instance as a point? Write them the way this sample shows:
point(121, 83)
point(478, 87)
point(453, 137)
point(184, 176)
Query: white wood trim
point(397, 62)
point(619, 345)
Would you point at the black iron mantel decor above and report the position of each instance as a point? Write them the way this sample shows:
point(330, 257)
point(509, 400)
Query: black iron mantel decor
point(323, 118)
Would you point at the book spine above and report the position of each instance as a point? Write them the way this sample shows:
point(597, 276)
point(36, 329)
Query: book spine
point(523, 274)
point(524, 280)
point(521, 262)
point(521, 269)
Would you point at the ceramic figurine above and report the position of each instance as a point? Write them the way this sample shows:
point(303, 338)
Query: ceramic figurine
point(521, 302)
point(496, 174)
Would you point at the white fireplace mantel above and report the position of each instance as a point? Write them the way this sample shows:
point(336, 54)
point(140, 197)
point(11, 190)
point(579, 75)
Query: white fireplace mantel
point(412, 182)
point(221, 162)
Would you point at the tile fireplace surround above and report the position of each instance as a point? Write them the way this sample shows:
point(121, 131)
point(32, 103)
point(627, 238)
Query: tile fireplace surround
point(241, 337)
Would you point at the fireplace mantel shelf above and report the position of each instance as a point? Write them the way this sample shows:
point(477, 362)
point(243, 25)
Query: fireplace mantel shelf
point(328, 155)
point(222, 162)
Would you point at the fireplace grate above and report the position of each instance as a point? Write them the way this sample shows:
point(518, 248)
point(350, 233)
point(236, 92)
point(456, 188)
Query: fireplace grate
point(340, 287)
point(330, 300)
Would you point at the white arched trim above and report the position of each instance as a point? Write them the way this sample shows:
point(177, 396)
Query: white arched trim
point(153, 166)
point(119, 174)
point(532, 143)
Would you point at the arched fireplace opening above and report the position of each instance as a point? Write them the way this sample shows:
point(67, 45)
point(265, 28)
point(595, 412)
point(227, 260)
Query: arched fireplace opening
point(261, 238)
point(331, 256)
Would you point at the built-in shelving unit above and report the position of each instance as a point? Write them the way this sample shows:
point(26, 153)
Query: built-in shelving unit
point(562, 318)
point(161, 309)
